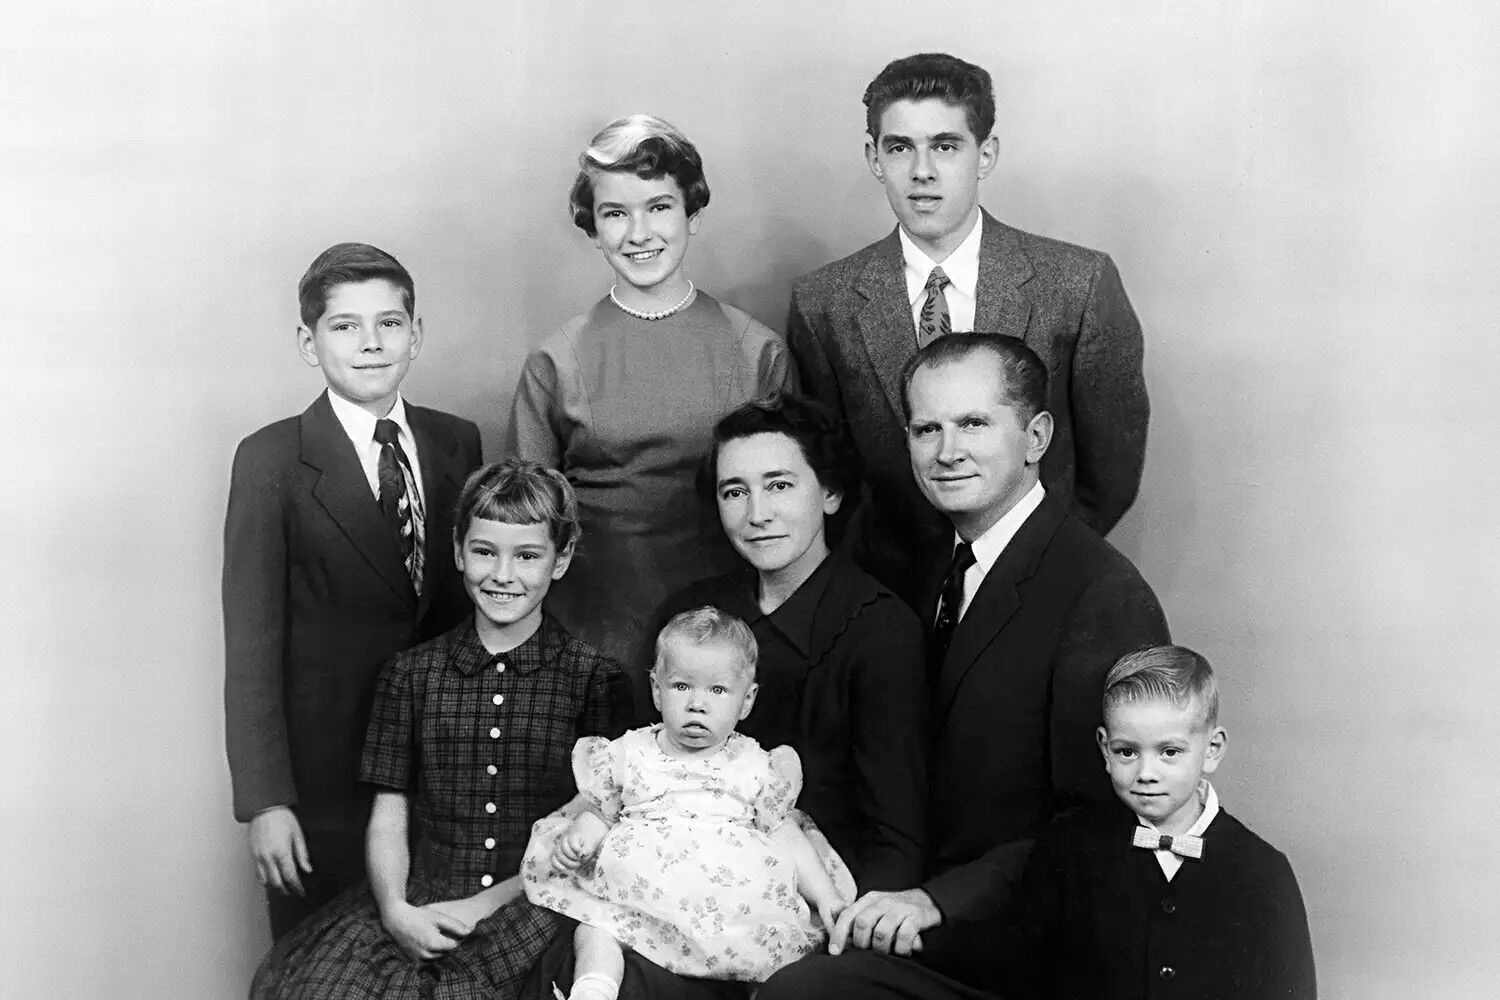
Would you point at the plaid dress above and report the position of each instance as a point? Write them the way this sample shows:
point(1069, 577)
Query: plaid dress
point(482, 743)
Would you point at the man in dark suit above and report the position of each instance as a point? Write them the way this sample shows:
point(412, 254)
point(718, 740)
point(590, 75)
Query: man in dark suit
point(338, 553)
point(949, 266)
point(1031, 613)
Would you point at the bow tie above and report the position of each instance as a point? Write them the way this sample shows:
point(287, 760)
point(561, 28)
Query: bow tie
point(1185, 846)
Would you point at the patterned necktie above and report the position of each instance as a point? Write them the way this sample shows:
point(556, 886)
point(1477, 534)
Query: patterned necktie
point(400, 500)
point(1184, 846)
point(950, 604)
point(934, 321)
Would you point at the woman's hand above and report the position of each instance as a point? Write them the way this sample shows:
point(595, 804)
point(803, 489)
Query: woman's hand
point(424, 932)
point(578, 843)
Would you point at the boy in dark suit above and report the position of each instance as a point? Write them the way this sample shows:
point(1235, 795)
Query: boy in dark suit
point(1171, 896)
point(949, 266)
point(337, 555)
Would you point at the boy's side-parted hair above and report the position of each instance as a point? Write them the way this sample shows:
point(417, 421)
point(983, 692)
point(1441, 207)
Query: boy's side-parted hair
point(643, 145)
point(345, 263)
point(1023, 371)
point(705, 625)
point(933, 74)
point(519, 492)
point(1173, 674)
point(820, 434)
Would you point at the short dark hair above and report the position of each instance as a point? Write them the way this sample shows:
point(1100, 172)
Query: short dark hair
point(346, 263)
point(933, 74)
point(519, 492)
point(1023, 375)
point(646, 146)
point(819, 433)
point(1173, 674)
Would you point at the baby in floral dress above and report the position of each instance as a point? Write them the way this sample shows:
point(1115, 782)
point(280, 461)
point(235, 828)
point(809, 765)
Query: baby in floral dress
point(690, 853)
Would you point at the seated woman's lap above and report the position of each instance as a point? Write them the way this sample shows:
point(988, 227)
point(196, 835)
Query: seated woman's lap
point(864, 975)
point(644, 980)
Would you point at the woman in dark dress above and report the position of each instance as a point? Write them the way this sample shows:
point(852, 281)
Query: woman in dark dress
point(842, 669)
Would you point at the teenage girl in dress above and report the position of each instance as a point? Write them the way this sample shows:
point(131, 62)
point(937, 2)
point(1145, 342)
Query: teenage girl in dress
point(468, 743)
point(688, 854)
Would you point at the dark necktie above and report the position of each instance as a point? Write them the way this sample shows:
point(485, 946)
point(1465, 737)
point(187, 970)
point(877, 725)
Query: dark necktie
point(950, 604)
point(400, 500)
point(934, 321)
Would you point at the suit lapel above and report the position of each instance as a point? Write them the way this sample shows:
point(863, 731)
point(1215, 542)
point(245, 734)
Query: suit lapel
point(999, 304)
point(997, 601)
point(344, 494)
point(885, 322)
point(442, 467)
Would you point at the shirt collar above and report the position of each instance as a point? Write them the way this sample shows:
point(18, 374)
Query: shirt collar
point(988, 546)
point(540, 648)
point(795, 618)
point(359, 424)
point(961, 266)
point(1210, 800)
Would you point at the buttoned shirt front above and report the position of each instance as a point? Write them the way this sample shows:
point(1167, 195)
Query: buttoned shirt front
point(962, 268)
point(483, 743)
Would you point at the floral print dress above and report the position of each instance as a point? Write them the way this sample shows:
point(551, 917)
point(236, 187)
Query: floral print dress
point(688, 875)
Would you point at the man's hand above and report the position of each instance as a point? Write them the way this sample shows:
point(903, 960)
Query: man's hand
point(890, 922)
point(279, 850)
point(424, 932)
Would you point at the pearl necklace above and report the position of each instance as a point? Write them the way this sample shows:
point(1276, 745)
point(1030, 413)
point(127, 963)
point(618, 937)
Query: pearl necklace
point(660, 314)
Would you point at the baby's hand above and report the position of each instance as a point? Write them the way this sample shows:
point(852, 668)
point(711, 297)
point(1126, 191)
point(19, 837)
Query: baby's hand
point(577, 844)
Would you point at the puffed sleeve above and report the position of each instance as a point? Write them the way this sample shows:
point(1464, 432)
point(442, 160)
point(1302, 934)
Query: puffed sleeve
point(596, 771)
point(779, 791)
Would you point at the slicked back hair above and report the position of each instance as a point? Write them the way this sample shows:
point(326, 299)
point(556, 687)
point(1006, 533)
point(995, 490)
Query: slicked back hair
point(1023, 374)
point(933, 75)
point(646, 146)
point(1172, 674)
point(349, 263)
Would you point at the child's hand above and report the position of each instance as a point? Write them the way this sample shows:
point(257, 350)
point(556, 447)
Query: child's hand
point(577, 844)
point(279, 850)
point(424, 932)
point(829, 910)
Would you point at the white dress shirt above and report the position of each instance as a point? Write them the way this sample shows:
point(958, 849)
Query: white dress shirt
point(1171, 862)
point(962, 269)
point(988, 546)
point(360, 426)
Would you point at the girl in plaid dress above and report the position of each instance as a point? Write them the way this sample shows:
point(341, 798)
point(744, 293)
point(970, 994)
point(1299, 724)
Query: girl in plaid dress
point(470, 741)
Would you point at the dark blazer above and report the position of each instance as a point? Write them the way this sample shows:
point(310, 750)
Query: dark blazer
point(851, 332)
point(316, 597)
point(1096, 917)
point(1017, 701)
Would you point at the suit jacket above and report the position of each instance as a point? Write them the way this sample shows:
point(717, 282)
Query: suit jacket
point(851, 332)
point(1096, 917)
point(316, 597)
point(1016, 703)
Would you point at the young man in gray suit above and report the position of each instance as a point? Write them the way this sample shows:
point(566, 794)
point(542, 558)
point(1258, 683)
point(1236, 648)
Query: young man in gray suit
point(949, 266)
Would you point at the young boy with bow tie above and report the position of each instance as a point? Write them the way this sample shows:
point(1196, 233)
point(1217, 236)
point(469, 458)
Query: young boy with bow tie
point(1174, 897)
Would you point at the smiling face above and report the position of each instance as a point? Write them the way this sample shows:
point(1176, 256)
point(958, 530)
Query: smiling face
point(702, 691)
point(772, 506)
point(931, 165)
point(507, 569)
point(972, 453)
point(642, 228)
point(364, 342)
point(1156, 753)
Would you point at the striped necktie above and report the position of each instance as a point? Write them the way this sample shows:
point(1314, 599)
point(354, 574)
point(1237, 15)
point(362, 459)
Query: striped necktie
point(401, 500)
